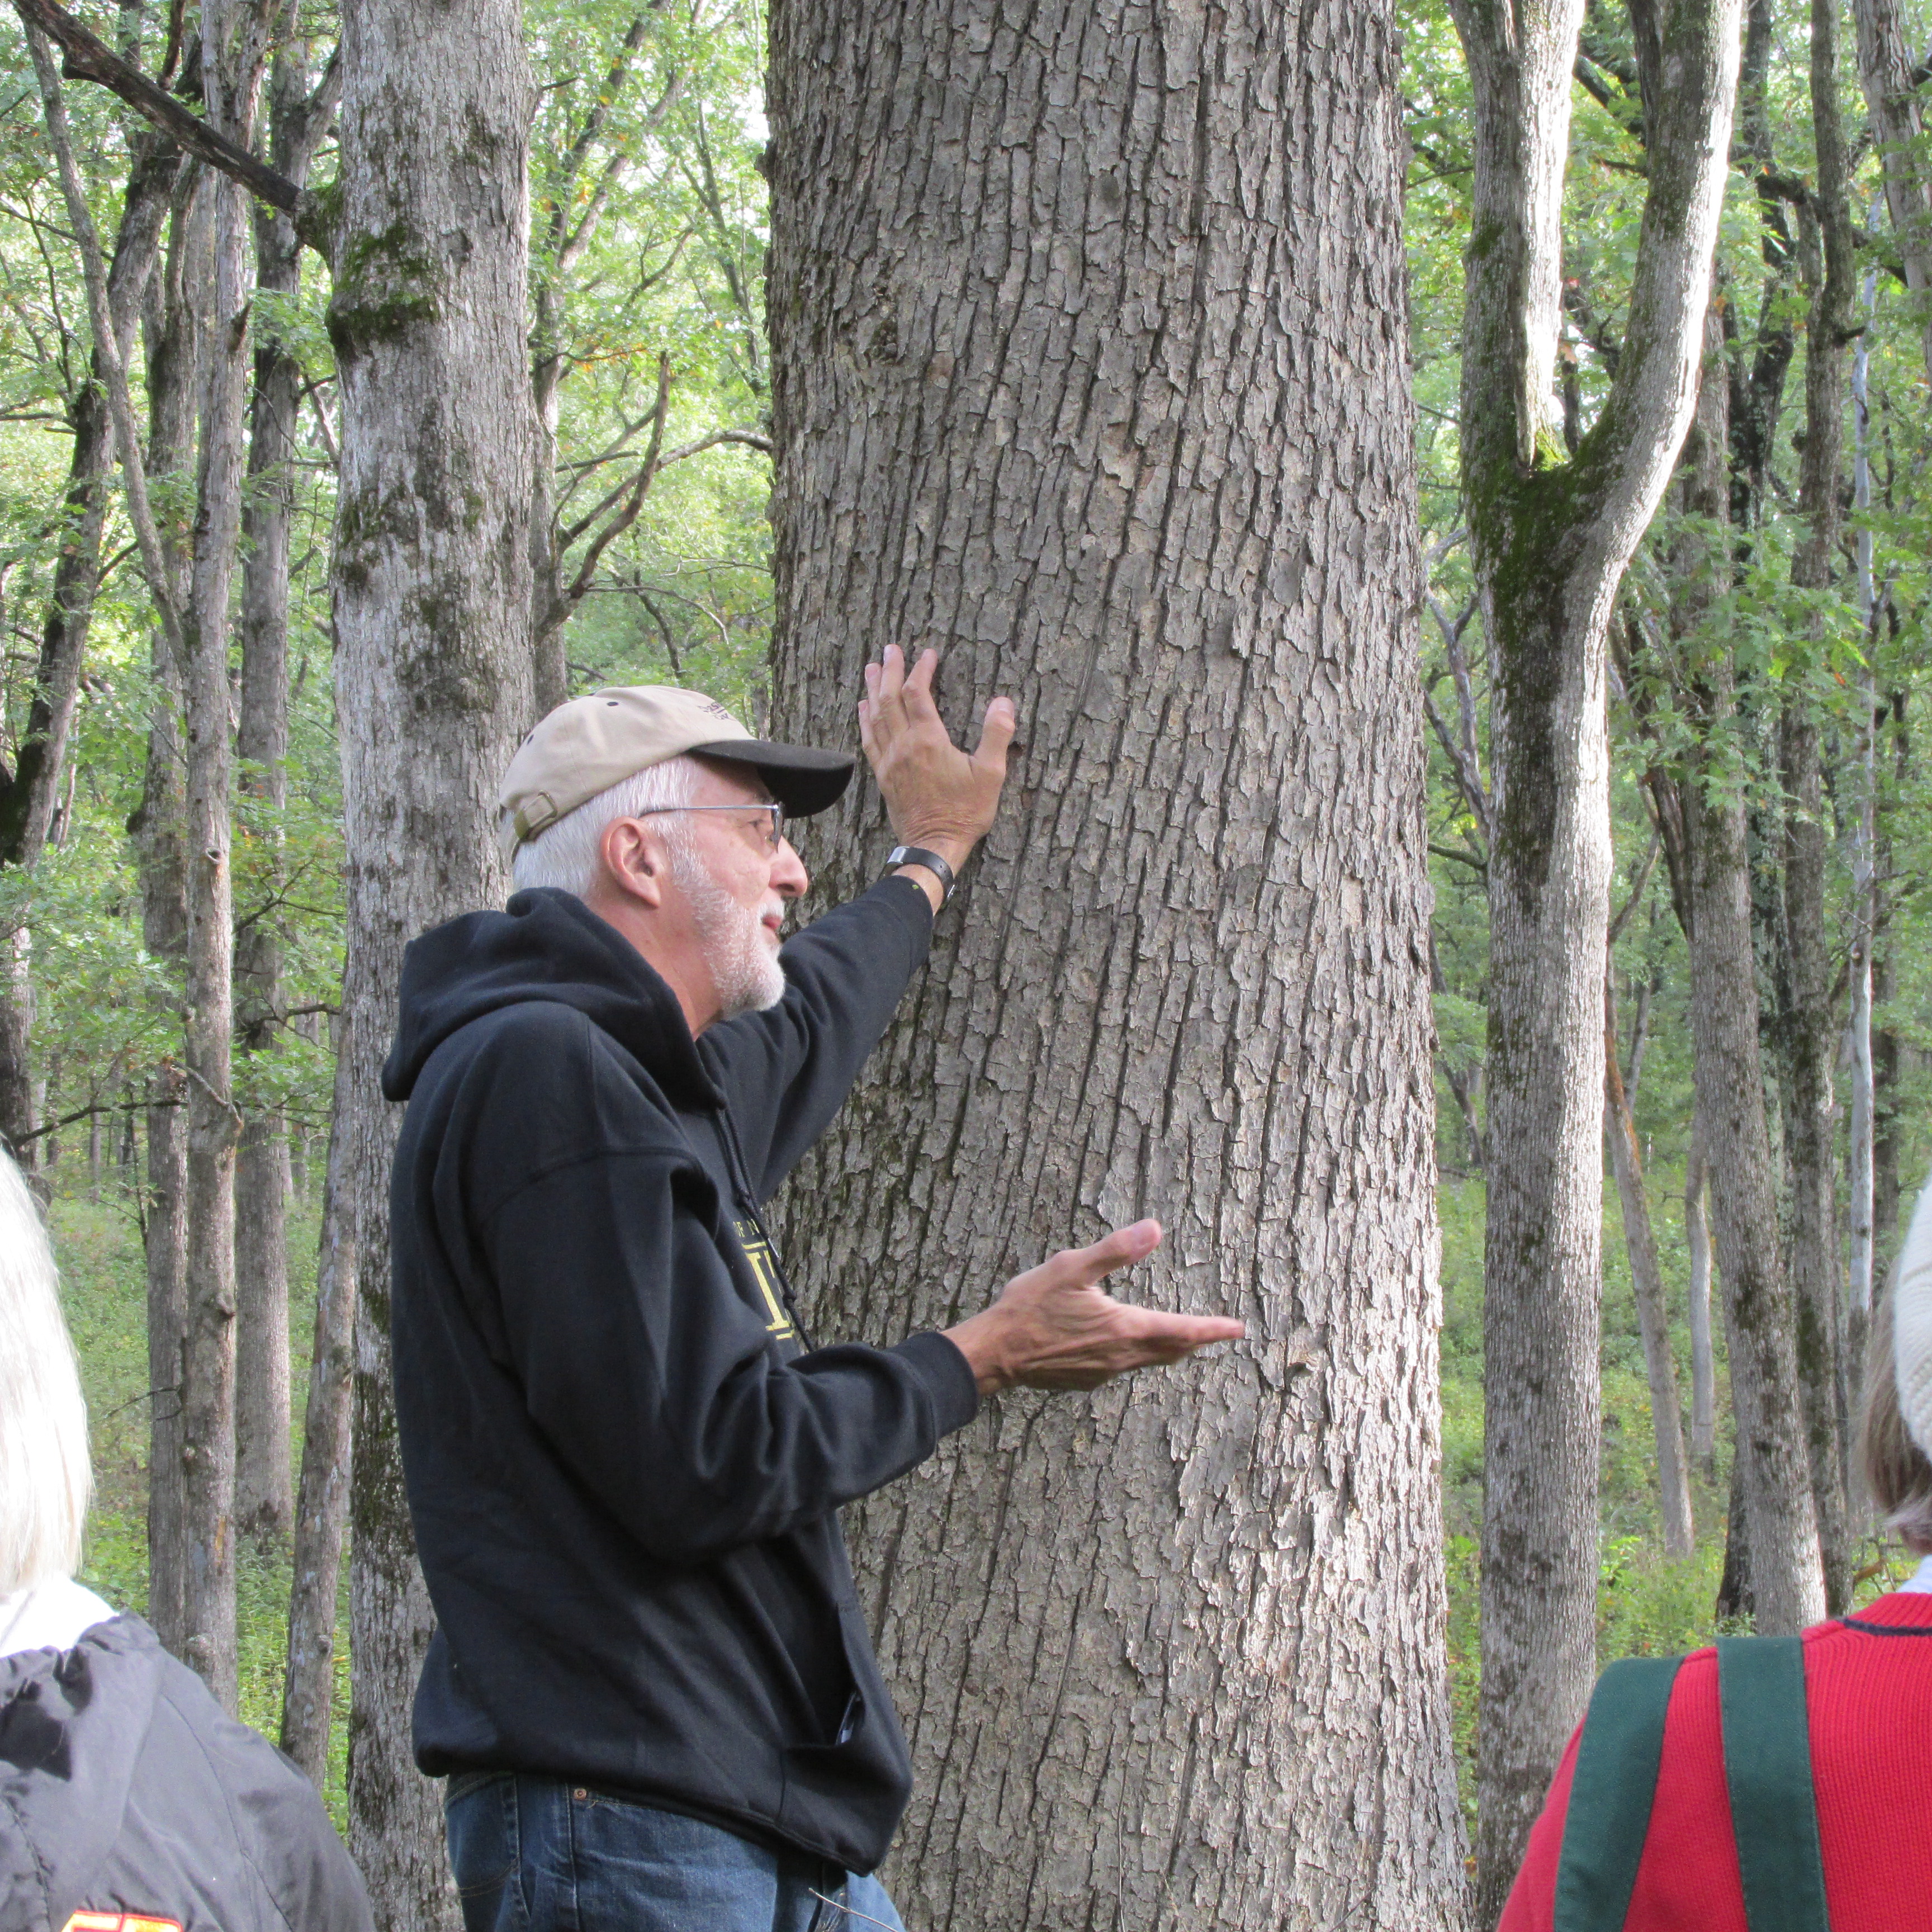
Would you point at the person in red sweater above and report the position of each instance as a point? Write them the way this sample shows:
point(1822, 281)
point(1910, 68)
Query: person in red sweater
point(1867, 1710)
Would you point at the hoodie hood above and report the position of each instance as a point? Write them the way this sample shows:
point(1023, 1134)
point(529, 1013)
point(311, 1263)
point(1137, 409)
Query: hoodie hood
point(548, 946)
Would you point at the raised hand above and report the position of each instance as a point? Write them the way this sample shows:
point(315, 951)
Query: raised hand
point(937, 795)
point(1055, 1326)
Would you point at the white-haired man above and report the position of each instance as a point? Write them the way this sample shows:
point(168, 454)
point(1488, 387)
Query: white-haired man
point(651, 1688)
point(128, 1798)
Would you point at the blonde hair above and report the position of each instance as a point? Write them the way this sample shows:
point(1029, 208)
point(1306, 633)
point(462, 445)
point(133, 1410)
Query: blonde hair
point(1897, 1472)
point(45, 1479)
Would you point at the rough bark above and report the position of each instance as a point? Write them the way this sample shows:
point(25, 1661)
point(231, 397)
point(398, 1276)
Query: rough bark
point(1550, 538)
point(1703, 1371)
point(1809, 1033)
point(321, 1506)
point(1673, 1486)
point(264, 1504)
point(433, 690)
point(1082, 327)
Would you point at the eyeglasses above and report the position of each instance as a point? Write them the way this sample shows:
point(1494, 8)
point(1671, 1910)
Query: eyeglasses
point(774, 836)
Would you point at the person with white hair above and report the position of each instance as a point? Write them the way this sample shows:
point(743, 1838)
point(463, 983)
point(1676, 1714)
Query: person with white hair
point(1779, 1784)
point(651, 1687)
point(130, 1802)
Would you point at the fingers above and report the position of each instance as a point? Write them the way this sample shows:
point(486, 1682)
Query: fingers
point(996, 734)
point(1121, 1249)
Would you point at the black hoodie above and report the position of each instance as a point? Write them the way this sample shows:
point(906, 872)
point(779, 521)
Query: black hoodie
point(623, 1464)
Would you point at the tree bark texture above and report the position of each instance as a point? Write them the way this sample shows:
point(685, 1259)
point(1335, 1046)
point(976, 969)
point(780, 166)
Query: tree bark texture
point(322, 1504)
point(433, 690)
point(1091, 368)
point(264, 1501)
point(1673, 1486)
point(1550, 539)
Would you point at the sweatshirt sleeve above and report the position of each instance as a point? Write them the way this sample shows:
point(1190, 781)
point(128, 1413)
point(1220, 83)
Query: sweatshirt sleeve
point(657, 1384)
point(786, 1071)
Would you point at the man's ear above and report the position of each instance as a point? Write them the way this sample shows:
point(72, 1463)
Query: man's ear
point(635, 863)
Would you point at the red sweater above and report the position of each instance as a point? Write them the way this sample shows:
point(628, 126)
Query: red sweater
point(1868, 1699)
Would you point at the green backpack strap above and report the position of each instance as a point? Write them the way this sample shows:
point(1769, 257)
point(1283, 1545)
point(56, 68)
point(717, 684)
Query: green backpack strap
point(1767, 1766)
point(1610, 1794)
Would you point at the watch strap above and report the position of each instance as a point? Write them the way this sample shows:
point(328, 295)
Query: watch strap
point(917, 855)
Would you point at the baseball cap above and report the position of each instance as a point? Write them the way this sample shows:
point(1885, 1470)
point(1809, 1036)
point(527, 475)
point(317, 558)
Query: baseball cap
point(596, 741)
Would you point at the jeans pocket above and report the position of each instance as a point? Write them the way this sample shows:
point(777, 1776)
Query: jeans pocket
point(481, 1818)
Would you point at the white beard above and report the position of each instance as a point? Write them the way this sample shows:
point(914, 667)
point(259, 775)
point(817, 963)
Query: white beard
point(737, 947)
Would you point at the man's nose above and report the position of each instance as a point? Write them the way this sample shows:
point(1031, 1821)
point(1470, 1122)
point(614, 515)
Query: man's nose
point(789, 876)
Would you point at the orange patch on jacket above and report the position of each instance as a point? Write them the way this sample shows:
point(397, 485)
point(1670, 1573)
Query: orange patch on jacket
point(121, 1921)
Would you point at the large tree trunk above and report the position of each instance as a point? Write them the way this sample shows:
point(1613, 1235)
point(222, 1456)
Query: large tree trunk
point(433, 690)
point(1082, 332)
point(1673, 1486)
point(263, 1502)
point(1550, 539)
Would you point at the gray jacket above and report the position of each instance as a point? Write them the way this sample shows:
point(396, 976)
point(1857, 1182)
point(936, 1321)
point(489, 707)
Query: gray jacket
point(124, 1788)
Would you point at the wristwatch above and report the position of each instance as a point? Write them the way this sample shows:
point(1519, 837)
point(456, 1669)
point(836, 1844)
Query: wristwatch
point(917, 855)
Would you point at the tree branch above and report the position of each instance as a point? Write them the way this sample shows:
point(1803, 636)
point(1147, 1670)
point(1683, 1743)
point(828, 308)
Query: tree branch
point(84, 58)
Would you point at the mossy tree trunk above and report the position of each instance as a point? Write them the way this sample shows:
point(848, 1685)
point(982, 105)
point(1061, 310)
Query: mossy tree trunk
point(433, 690)
point(1550, 538)
point(1091, 368)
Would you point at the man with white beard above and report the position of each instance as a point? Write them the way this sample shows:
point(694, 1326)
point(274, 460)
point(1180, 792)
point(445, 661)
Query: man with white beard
point(651, 1688)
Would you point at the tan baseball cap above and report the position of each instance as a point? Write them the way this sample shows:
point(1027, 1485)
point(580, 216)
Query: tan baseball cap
point(596, 741)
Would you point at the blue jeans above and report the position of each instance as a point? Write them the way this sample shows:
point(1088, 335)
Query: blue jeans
point(531, 1855)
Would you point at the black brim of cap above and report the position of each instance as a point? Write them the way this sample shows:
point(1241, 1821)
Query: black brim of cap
point(802, 780)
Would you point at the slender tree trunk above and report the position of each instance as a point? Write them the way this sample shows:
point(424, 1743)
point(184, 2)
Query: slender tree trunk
point(433, 690)
point(1550, 539)
point(322, 1506)
point(1673, 1486)
point(1772, 1500)
point(264, 1504)
point(1148, 1677)
point(172, 330)
point(234, 39)
point(1703, 1370)
point(29, 794)
point(1811, 1032)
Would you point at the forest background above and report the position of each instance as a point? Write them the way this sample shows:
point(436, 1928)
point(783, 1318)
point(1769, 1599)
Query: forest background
point(649, 357)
